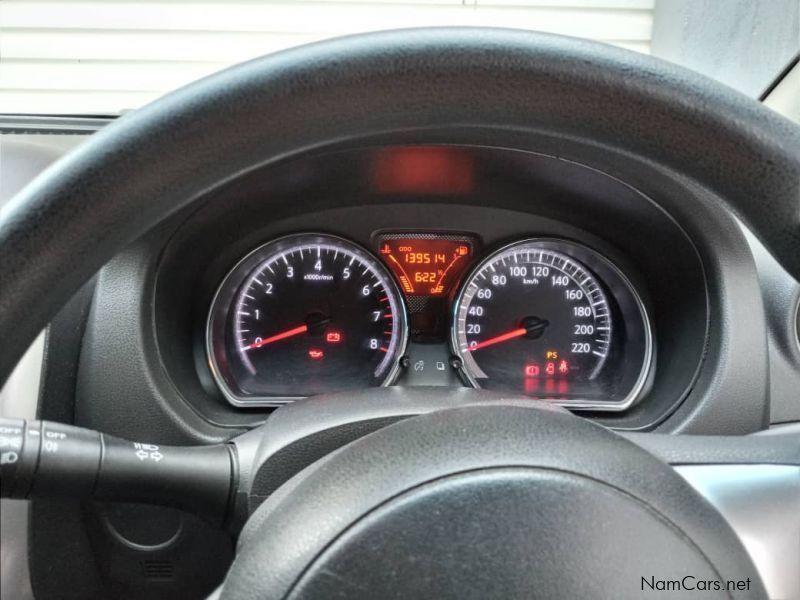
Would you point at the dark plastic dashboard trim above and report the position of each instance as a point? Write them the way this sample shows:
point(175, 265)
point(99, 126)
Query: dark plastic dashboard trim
point(235, 195)
point(226, 195)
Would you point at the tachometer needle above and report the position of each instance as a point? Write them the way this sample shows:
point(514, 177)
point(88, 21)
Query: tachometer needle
point(499, 338)
point(279, 336)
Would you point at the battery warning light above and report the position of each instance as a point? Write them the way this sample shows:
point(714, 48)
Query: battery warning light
point(333, 337)
point(315, 354)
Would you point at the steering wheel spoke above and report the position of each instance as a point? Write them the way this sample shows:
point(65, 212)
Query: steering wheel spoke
point(754, 482)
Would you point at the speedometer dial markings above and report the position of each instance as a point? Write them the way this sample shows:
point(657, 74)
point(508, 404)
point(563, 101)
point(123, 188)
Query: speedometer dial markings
point(555, 320)
point(529, 315)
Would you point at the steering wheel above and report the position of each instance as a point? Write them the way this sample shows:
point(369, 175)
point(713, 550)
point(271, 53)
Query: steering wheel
point(459, 494)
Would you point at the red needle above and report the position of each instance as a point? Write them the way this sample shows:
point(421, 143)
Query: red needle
point(279, 336)
point(497, 339)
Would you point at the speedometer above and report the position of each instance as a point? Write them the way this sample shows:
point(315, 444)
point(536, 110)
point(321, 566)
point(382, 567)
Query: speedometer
point(553, 319)
point(304, 315)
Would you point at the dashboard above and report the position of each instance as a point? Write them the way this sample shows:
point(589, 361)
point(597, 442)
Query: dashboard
point(690, 295)
point(608, 295)
point(494, 269)
point(487, 269)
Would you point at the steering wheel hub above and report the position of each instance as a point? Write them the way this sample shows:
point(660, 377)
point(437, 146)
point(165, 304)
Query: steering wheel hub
point(485, 501)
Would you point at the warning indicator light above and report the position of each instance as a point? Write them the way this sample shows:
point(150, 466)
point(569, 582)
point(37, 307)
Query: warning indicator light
point(532, 370)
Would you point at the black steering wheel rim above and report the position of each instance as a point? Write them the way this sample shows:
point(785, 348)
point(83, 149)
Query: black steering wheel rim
point(66, 224)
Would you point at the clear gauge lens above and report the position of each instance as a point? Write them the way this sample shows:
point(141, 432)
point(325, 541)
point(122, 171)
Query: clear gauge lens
point(551, 319)
point(305, 315)
point(797, 319)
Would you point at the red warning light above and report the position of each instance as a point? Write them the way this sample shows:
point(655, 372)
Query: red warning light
point(532, 370)
point(551, 369)
point(424, 170)
point(316, 354)
point(333, 337)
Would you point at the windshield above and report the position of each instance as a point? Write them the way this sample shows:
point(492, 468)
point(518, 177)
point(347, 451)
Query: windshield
point(95, 57)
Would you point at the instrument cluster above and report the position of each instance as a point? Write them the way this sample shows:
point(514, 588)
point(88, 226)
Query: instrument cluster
point(313, 313)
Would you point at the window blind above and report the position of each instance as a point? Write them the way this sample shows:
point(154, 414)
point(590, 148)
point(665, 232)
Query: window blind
point(104, 56)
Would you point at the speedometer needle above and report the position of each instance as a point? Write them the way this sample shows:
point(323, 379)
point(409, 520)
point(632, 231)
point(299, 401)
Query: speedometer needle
point(499, 338)
point(279, 336)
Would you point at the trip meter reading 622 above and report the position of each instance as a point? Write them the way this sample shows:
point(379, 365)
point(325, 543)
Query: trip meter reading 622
point(426, 264)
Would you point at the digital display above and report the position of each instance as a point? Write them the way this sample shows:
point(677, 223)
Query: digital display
point(426, 265)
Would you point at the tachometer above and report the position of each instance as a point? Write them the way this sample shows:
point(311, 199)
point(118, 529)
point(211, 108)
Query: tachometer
point(535, 318)
point(304, 315)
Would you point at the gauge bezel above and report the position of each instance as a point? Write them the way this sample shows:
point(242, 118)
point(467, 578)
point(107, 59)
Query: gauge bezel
point(797, 321)
point(566, 246)
point(233, 280)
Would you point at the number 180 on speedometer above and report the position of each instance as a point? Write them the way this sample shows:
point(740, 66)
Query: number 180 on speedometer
point(533, 318)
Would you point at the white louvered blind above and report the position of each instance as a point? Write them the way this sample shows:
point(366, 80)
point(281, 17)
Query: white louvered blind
point(103, 56)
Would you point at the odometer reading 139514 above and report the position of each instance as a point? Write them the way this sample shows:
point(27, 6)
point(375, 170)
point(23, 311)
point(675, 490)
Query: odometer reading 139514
point(535, 318)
